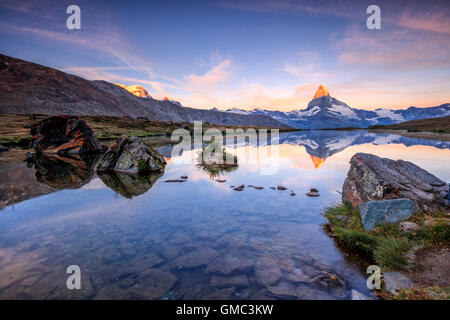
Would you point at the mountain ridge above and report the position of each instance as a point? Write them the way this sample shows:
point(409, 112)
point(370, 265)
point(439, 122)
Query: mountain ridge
point(326, 112)
point(27, 88)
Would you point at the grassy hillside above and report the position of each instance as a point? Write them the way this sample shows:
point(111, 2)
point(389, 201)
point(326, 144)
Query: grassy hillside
point(439, 125)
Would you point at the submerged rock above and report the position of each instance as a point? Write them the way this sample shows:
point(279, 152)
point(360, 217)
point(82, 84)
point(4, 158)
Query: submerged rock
point(64, 135)
point(281, 188)
point(312, 194)
point(234, 281)
point(131, 155)
point(374, 178)
point(374, 213)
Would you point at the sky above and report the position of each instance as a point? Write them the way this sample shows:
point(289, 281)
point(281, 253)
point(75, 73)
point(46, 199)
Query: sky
point(270, 54)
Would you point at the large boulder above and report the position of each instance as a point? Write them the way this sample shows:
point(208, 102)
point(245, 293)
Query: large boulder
point(374, 178)
point(64, 135)
point(378, 212)
point(131, 155)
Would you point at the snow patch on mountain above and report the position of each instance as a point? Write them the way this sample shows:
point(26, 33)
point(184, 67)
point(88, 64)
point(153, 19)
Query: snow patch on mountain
point(343, 111)
point(390, 114)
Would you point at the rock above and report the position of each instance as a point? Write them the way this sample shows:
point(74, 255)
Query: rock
point(394, 281)
point(229, 264)
point(241, 186)
point(3, 148)
point(267, 271)
point(292, 194)
point(312, 194)
point(175, 180)
point(313, 190)
point(251, 186)
point(281, 188)
point(64, 135)
point(356, 295)
point(409, 226)
point(237, 189)
point(221, 180)
point(131, 155)
point(374, 178)
point(374, 213)
point(259, 188)
point(282, 291)
point(196, 258)
point(224, 294)
point(184, 177)
point(235, 281)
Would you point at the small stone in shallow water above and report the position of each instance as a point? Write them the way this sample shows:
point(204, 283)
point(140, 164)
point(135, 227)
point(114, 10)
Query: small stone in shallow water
point(312, 194)
point(292, 193)
point(241, 186)
point(281, 188)
point(238, 189)
point(313, 190)
point(251, 186)
point(232, 186)
point(175, 180)
point(273, 188)
point(184, 177)
point(221, 180)
point(259, 188)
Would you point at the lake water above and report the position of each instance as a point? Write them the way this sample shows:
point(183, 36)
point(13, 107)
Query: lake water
point(200, 239)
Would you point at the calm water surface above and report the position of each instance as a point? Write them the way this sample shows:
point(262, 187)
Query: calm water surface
point(147, 239)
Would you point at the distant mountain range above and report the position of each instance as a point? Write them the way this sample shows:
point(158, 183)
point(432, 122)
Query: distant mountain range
point(326, 112)
point(27, 88)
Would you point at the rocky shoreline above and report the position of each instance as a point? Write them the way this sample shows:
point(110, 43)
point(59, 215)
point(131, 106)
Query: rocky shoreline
point(397, 215)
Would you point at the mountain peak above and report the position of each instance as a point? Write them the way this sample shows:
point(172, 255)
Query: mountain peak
point(322, 91)
point(137, 90)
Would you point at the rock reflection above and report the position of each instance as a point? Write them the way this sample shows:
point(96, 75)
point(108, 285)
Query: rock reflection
point(64, 172)
point(128, 185)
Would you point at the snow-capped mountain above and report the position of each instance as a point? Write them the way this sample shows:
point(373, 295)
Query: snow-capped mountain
point(325, 111)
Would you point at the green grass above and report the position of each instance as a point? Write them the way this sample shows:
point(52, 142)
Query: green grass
point(391, 252)
point(387, 245)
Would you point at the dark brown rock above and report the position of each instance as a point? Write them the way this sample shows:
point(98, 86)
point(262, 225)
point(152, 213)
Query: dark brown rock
point(64, 135)
point(374, 178)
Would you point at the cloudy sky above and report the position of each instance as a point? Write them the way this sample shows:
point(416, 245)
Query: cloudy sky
point(246, 54)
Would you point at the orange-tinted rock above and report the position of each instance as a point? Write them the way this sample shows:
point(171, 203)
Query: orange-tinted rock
point(321, 92)
point(137, 90)
point(64, 134)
